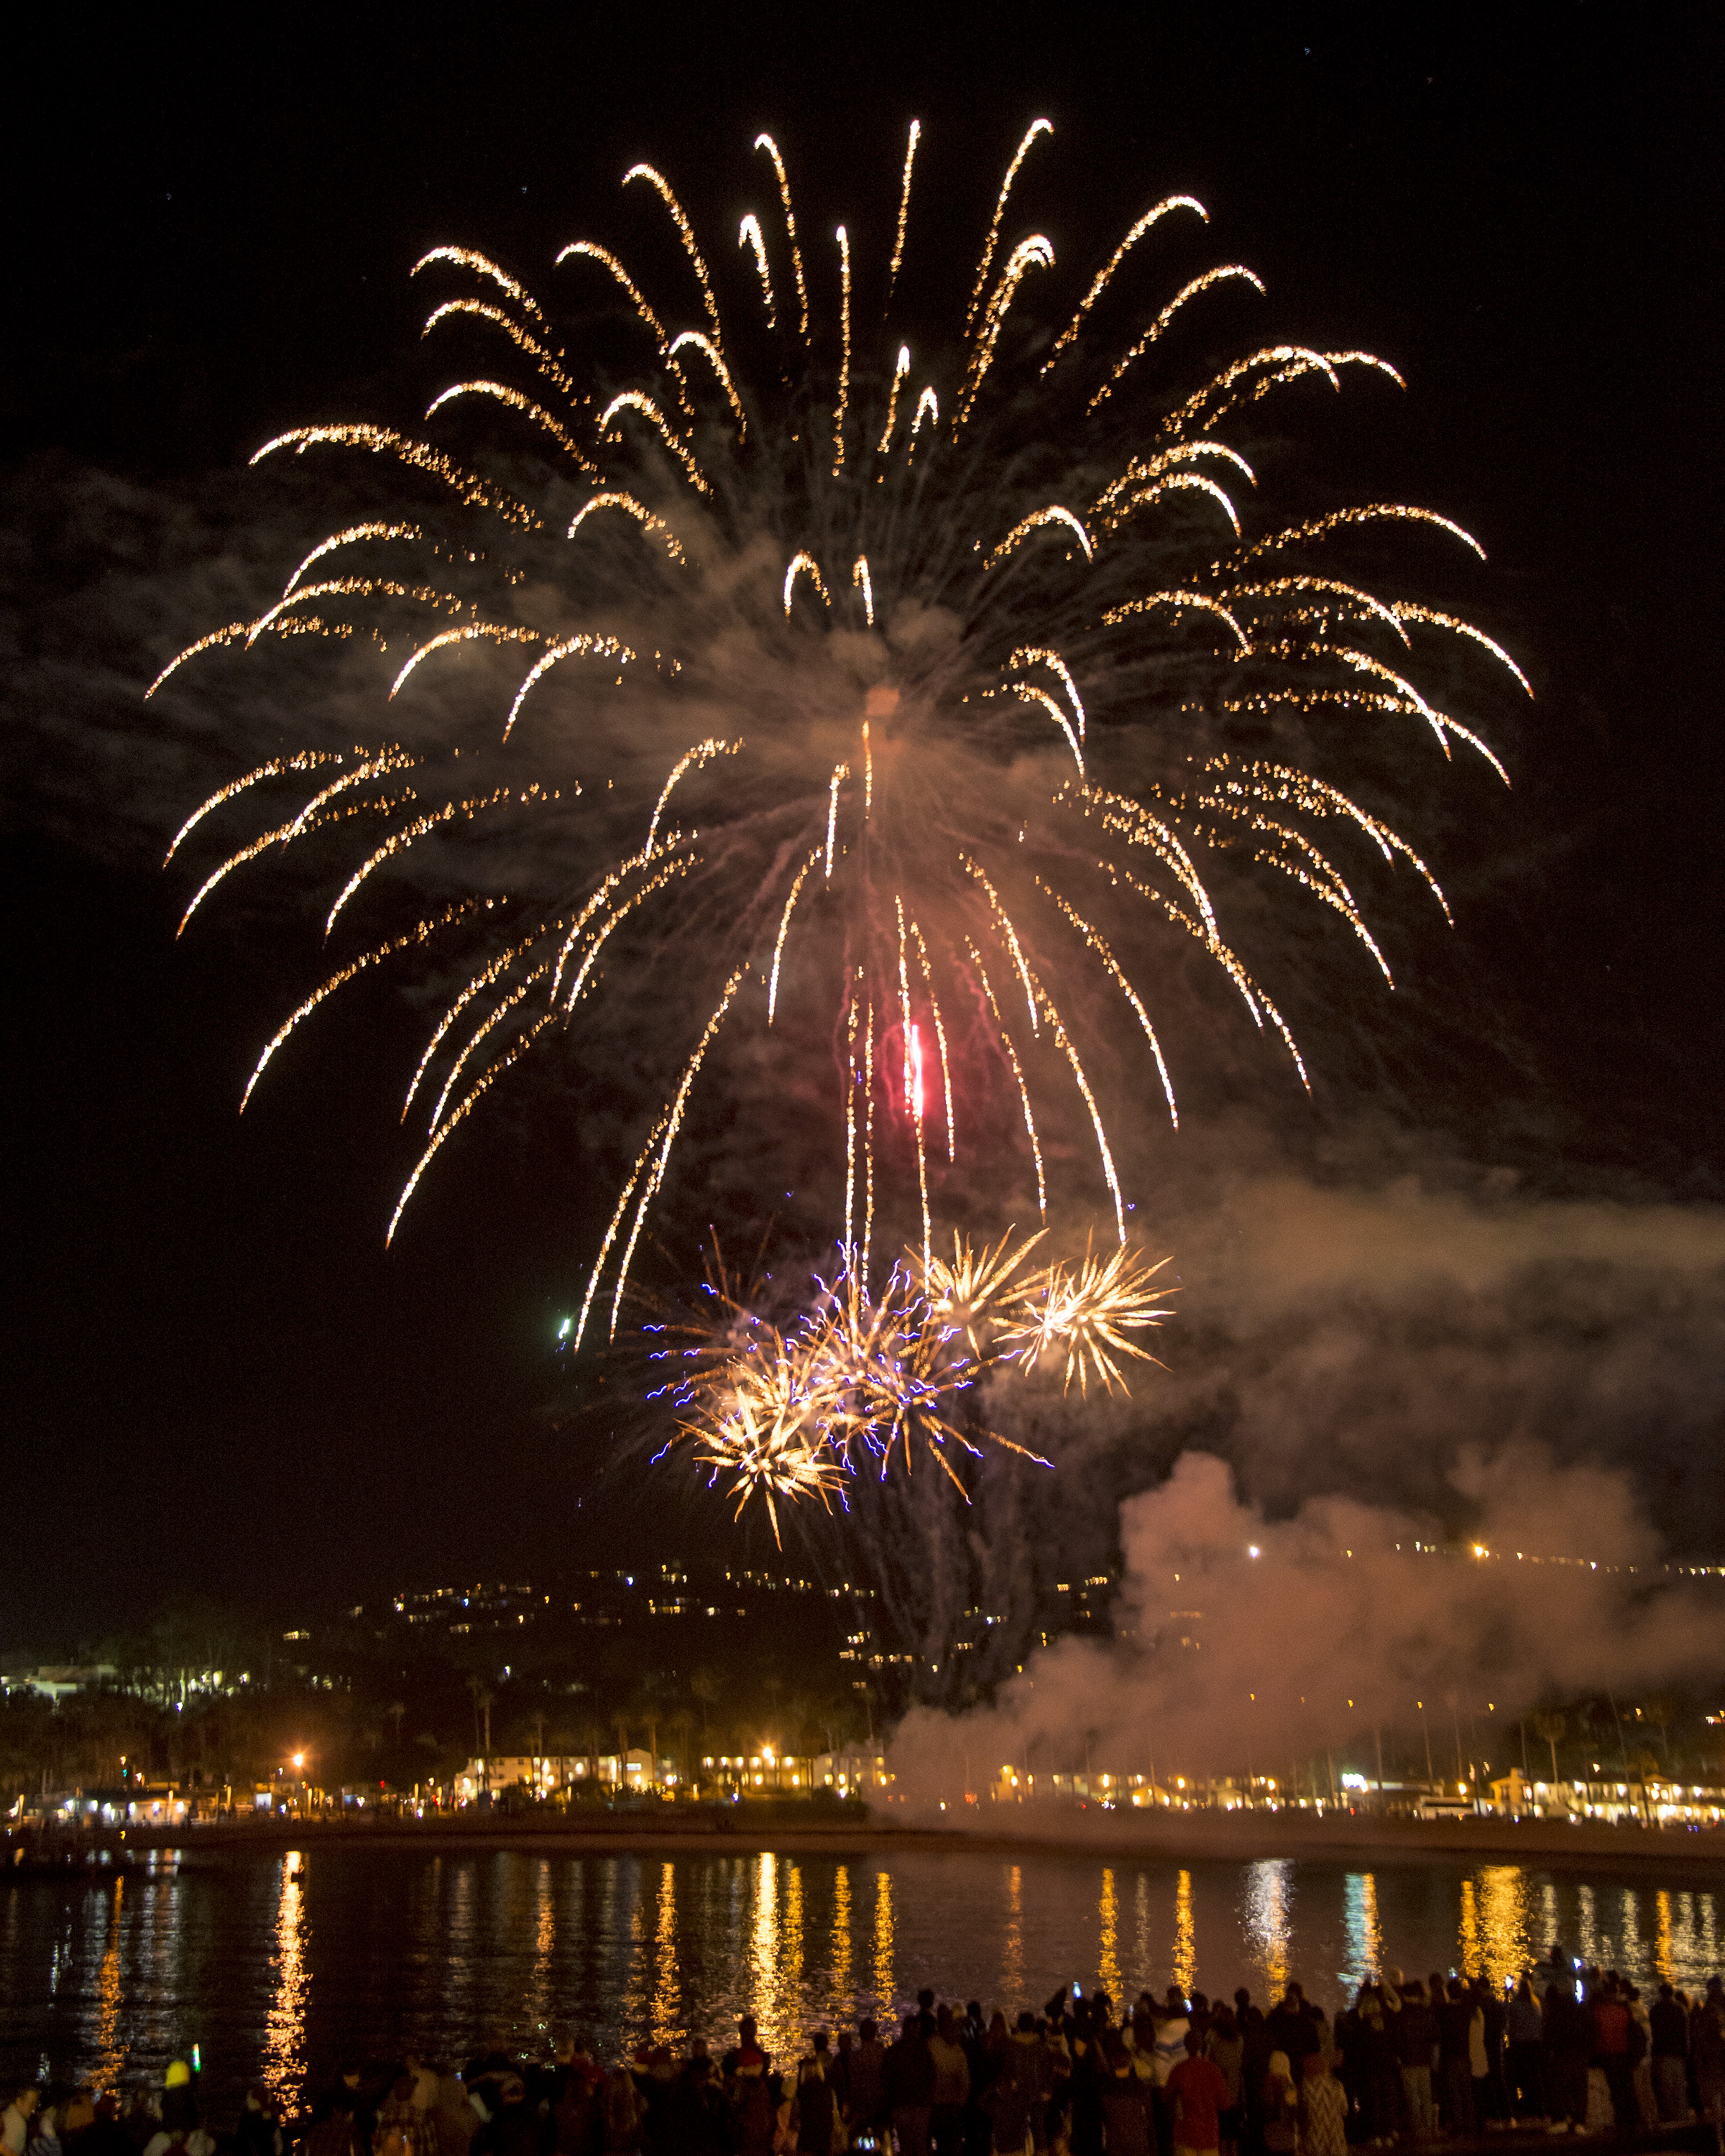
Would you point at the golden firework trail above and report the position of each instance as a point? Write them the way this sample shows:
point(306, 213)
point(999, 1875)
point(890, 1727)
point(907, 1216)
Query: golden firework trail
point(904, 210)
point(767, 143)
point(843, 405)
point(725, 565)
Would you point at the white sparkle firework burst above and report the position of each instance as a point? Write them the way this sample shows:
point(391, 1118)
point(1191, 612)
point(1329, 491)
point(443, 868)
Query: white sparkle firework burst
point(935, 673)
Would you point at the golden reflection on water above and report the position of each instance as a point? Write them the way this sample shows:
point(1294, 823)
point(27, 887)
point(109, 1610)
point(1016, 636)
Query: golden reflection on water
point(112, 2062)
point(1631, 1906)
point(283, 2069)
point(664, 1988)
point(1506, 1933)
point(1143, 1943)
point(1467, 1930)
point(763, 1947)
point(1185, 1936)
point(841, 1931)
point(545, 1936)
point(634, 1991)
point(883, 1941)
point(1587, 1929)
point(157, 1930)
point(1547, 1914)
point(1108, 1911)
point(1266, 1920)
point(654, 1949)
point(1012, 1960)
point(791, 1961)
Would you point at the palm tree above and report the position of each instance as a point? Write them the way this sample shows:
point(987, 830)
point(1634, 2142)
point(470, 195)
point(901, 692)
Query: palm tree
point(706, 1688)
point(593, 1735)
point(650, 1697)
point(683, 1722)
point(1550, 1725)
point(619, 1722)
point(800, 1713)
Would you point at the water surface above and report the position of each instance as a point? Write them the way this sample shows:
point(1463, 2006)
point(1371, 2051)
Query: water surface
point(276, 1965)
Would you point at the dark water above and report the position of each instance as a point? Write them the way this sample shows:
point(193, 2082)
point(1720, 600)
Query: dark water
point(274, 1966)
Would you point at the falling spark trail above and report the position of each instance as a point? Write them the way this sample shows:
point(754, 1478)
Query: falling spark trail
point(748, 234)
point(419, 934)
point(674, 1118)
point(838, 409)
point(578, 248)
point(899, 373)
point(784, 929)
point(1207, 282)
point(840, 773)
point(662, 188)
point(766, 142)
point(904, 211)
point(1105, 274)
point(1036, 127)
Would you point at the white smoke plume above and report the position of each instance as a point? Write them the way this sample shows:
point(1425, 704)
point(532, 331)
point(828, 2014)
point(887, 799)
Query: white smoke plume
point(1361, 1375)
point(1242, 1641)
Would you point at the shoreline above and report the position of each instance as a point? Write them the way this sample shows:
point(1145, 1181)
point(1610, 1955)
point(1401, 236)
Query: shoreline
point(1218, 1837)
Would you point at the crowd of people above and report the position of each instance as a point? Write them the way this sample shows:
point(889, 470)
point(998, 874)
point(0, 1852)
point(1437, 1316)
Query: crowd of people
point(1567, 2050)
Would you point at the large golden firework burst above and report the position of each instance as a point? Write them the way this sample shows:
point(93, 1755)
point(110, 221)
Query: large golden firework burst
point(935, 693)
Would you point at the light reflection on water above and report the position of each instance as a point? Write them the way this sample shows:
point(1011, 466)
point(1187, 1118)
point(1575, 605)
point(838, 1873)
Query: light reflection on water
point(283, 2051)
point(1012, 1962)
point(1185, 1935)
point(1365, 1940)
point(1108, 1915)
point(1267, 1908)
point(1507, 1943)
point(274, 1966)
point(883, 1935)
point(109, 2057)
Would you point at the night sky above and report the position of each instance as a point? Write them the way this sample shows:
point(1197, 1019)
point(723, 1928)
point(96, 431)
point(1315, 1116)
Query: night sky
point(217, 1379)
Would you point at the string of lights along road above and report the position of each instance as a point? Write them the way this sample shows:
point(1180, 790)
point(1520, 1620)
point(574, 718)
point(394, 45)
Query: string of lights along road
point(917, 688)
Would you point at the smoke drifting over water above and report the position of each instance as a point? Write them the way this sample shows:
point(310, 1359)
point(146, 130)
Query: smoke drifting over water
point(1372, 1372)
point(1242, 1642)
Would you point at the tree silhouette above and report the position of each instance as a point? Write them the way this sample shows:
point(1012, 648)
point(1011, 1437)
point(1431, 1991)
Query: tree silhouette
point(482, 1702)
point(593, 1736)
point(1551, 1726)
point(1661, 1712)
point(706, 1688)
